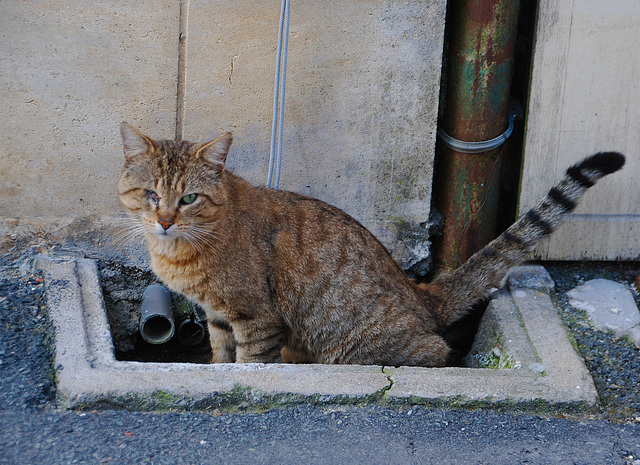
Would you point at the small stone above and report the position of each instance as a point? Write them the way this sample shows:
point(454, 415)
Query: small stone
point(126, 294)
point(530, 277)
point(107, 273)
point(610, 305)
point(634, 335)
point(582, 305)
point(538, 367)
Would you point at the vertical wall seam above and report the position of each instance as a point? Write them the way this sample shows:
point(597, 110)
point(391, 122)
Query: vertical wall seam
point(558, 170)
point(182, 68)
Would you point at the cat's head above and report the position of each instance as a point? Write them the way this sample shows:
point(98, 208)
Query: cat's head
point(173, 189)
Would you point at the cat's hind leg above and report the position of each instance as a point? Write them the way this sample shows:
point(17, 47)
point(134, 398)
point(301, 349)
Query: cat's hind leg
point(291, 355)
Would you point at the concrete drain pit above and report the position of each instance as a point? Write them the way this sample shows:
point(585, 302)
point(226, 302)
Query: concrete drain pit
point(522, 353)
point(177, 334)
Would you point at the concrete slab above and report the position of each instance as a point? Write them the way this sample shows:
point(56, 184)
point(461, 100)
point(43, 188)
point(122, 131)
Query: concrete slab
point(88, 373)
point(610, 306)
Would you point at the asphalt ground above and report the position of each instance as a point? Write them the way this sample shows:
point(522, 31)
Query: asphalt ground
point(33, 430)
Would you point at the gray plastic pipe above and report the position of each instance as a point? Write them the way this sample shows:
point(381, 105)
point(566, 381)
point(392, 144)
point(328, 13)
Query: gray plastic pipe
point(191, 332)
point(156, 320)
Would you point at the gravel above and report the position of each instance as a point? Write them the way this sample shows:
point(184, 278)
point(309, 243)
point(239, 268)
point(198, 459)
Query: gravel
point(614, 362)
point(25, 335)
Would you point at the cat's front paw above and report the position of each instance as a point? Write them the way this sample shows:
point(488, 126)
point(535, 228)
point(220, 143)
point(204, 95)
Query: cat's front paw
point(223, 356)
point(223, 344)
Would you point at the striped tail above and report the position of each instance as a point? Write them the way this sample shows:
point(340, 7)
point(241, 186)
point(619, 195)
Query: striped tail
point(485, 270)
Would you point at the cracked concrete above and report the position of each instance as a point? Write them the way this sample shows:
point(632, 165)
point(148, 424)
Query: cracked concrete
point(88, 374)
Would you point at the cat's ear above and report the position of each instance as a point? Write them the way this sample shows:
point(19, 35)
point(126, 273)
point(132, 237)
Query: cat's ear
point(134, 142)
point(216, 151)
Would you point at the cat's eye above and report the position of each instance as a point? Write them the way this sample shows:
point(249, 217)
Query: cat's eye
point(152, 196)
point(189, 198)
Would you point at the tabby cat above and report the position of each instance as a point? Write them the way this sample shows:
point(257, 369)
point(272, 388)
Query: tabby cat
point(275, 269)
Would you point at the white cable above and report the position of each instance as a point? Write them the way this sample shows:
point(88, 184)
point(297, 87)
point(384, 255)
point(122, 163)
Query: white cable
point(275, 153)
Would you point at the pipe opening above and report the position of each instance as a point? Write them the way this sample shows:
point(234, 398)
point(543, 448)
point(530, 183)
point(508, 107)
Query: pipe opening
point(157, 329)
point(191, 332)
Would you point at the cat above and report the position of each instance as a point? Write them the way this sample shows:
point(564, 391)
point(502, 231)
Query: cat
point(284, 275)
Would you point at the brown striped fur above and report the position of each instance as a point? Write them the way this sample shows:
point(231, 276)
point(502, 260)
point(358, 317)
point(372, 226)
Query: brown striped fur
point(286, 277)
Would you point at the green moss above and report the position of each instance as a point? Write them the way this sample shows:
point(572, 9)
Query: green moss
point(182, 308)
point(46, 329)
point(502, 362)
point(496, 358)
point(165, 397)
point(241, 399)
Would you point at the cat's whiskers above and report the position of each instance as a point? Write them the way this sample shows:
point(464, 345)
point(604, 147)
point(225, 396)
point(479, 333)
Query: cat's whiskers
point(121, 216)
point(200, 236)
point(209, 236)
point(129, 233)
point(195, 243)
point(203, 229)
point(128, 228)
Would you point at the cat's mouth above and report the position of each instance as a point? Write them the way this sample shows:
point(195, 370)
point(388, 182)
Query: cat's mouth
point(165, 237)
point(165, 234)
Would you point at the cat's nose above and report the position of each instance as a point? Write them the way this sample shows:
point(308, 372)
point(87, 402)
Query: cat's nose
point(165, 223)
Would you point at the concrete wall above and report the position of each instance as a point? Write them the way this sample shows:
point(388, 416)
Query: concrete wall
point(584, 98)
point(362, 96)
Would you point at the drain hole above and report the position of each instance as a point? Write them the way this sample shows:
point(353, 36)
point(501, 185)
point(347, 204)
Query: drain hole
point(123, 288)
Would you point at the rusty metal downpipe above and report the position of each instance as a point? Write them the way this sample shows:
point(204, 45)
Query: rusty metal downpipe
point(480, 67)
